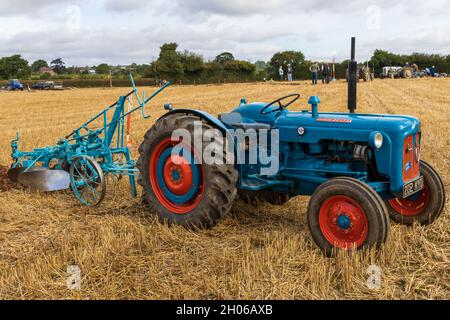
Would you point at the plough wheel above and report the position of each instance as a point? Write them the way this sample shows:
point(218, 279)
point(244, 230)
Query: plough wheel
point(176, 188)
point(87, 181)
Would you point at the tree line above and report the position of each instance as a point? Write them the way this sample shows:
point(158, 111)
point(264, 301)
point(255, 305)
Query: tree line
point(189, 67)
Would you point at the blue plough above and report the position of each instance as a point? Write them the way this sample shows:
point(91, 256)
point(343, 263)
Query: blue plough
point(83, 159)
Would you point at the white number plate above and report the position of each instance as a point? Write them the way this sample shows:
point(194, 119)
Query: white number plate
point(413, 187)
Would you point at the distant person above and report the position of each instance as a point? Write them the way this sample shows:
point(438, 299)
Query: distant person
point(416, 70)
point(281, 73)
point(325, 73)
point(314, 68)
point(289, 73)
point(407, 65)
point(433, 71)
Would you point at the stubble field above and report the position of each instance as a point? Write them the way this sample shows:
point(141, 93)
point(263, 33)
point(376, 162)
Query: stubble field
point(260, 252)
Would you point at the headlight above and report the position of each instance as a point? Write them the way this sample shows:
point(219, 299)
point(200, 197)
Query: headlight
point(378, 140)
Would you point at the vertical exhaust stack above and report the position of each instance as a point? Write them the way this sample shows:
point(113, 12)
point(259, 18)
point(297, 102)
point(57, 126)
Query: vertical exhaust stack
point(352, 79)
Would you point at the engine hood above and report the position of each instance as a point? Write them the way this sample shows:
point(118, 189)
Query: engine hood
point(355, 127)
point(385, 123)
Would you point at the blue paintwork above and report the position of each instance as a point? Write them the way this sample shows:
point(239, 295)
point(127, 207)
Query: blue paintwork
point(196, 178)
point(344, 222)
point(314, 147)
point(14, 85)
point(77, 183)
point(314, 101)
point(201, 114)
point(307, 170)
point(105, 144)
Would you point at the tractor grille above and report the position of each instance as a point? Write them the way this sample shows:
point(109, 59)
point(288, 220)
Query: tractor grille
point(411, 158)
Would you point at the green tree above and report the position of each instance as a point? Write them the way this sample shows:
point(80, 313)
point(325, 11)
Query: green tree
point(102, 69)
point(58, 65)
point(14, 67)
point(45, 76)
point(295, 58)
point(169, 63)
point(261, 66)
point(383, 58)
point(192, 62)
point(71, 70)
point(224, 57)
point(38, 64)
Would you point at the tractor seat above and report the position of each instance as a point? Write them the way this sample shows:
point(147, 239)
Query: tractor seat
point(235, 120)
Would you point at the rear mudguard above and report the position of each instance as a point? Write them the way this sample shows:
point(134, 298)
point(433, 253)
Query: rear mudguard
point(201, 114)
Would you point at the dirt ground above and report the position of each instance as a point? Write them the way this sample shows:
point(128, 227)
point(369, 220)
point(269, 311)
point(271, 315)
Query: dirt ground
point(262, 252)
point(5, 183)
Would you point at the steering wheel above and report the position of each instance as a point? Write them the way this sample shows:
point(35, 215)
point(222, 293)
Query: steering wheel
point(281, 107)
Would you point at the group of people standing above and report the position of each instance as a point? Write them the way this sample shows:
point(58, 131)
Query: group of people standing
point(289, 73)
point(324, 69)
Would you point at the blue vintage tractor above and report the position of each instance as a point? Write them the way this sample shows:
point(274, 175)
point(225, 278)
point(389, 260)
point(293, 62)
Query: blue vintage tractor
point(359, 169)
point(14, 85)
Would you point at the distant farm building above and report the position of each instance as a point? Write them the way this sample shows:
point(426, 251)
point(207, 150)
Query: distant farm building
point(47, 70)
point(86, 70)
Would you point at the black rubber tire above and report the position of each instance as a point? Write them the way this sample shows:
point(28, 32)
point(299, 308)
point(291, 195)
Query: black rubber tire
point(406, 74)
point(364, 197)
point(264, 196)
point(220, 181)
point(436, 204)
point(381, 203)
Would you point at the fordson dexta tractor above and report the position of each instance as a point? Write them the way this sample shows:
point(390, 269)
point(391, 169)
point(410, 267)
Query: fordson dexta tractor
point(359, 169)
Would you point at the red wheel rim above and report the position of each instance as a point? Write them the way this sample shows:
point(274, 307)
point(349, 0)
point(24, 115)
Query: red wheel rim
point(343, 222)
point(178, 175)
point(179, 185)
point(412, 206)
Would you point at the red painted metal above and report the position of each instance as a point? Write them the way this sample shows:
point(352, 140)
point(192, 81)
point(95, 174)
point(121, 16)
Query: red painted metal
point(178, 175)
point(411, 156)
point(412, 206)
point(335, 207)
point(175, 208)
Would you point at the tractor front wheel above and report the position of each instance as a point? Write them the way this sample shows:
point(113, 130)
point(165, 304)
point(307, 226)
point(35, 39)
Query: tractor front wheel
point(425, 206)
point(345, 215)
point(178, 186)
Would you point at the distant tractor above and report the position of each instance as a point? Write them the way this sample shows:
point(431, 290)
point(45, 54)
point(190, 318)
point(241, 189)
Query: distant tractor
point(363, 73)
point(48, 85)
point(43, 85)
point(14, 85)
point(397, 72)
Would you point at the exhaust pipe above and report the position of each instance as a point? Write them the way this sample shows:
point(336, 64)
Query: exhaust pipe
point(352, 79)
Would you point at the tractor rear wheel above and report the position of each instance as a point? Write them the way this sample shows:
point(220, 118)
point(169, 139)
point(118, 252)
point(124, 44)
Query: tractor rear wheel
point(407, 73)
point(424, 207)
point(258, 197)
point(178, 186)
point(346, 215)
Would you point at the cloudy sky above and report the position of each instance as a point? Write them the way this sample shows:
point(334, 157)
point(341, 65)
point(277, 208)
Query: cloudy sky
point(86, 32)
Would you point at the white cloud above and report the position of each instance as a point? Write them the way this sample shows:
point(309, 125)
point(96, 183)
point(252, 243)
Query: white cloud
point(32, 7)
point(120, 31)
